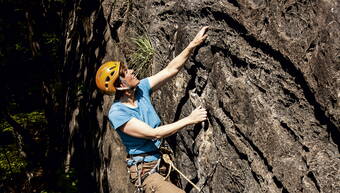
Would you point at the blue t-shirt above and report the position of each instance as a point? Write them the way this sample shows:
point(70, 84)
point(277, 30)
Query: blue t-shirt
point(120, 114)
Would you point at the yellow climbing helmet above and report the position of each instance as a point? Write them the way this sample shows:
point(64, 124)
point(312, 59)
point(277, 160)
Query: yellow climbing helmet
point(106, 76)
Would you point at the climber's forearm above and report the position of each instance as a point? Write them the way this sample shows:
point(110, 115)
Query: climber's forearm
point(177, 63)
point(169, 129)
point(163, 76)
point(140, 129)
point(196, 116)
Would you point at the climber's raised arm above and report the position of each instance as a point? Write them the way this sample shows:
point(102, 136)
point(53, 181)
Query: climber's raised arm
point(159, 79)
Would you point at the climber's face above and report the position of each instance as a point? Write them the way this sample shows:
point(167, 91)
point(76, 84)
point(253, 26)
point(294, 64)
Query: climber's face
point(129, 78)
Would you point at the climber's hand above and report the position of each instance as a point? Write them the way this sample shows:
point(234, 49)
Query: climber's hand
point(199, 38)
point(198, 115)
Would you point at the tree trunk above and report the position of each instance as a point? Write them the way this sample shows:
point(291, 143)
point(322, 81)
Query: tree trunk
point(93, 148)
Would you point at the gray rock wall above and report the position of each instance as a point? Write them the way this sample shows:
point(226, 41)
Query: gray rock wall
point(268, 75)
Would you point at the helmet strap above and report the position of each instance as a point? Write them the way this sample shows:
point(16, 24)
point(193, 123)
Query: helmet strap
point(125, 83)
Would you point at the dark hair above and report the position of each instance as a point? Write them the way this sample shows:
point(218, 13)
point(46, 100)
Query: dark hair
point(119, 93)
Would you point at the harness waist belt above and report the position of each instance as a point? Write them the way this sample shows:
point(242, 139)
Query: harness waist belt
point(144, 154)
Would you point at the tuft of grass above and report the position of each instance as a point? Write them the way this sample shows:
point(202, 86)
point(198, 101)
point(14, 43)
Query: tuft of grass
point(141, 59)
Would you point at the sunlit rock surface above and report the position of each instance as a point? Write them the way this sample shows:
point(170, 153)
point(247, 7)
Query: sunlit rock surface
point(269, 77)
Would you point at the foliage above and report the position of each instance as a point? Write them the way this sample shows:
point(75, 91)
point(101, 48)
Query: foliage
point(52, 41)
point(25, 72)
point(141, 59)
point(67, 181)
point(11, 162)
point(70, 181)
point(35, 118)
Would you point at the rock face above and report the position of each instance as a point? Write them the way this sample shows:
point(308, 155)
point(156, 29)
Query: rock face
point(269, 77)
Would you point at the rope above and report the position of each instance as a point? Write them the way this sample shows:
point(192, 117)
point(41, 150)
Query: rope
point(166, 177)
point(167, 160)
point(210, 175)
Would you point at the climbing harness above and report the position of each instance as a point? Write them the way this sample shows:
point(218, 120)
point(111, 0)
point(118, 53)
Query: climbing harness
point(140, 170)
point(141, 176)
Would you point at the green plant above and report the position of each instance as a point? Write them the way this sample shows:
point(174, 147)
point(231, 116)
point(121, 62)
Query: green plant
point(32, 119)
point(11, 161)
point(141, 59)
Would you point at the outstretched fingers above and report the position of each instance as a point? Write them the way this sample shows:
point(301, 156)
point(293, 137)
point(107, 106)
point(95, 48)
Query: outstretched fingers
point(200, 37)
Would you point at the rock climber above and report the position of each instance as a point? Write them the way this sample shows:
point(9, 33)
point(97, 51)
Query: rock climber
point(134, 118)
